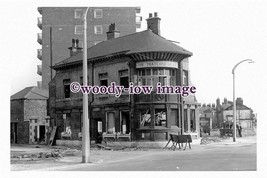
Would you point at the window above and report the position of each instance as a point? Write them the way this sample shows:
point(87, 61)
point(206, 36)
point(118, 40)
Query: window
point(125, 122)
point(110, 122)
point(192, 120)
point(78, 13)
point(98, 29)
point(98, 13)
point(174, 119)
point(103, 79)
point(155, 72)
point(124, 79)
point(81, 81)
point(160, 117)
point(151, 76)
point(78, 30)
point(66, 84)
point(145, 118)
point(163, 80)
point(185, 77)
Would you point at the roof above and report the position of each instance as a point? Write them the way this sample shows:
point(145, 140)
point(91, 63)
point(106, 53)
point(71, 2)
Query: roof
point(30, 93)
point(209, 110)
point(238, 107)
point(145, 41)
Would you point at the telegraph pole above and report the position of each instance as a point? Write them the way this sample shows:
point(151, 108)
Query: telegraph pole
point(85, 129)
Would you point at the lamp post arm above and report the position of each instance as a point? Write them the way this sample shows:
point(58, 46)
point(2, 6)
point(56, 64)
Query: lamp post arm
point(233, 71)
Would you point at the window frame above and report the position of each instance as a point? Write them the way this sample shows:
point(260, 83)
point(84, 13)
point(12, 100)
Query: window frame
point(127, 124)
point(122, 76)
point(97, 16)
point(103, 79)
point(66, 88)
point(185, 78)
point(100, 32)
point(107, 121)
point(76, 31)
point(76, 11)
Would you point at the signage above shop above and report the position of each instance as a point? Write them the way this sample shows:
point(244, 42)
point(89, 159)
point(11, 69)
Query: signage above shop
point(147, 64)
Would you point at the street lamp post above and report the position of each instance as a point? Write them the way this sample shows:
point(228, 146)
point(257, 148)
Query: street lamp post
point(234, 101)
point(85, 128)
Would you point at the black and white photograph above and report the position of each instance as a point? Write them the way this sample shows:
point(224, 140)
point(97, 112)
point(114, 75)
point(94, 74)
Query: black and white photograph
point(133, 88)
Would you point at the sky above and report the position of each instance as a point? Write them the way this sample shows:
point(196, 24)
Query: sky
point(219, 33)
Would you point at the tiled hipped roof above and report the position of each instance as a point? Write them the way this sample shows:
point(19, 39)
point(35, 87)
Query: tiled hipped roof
point(141, 42)
point(30, 93)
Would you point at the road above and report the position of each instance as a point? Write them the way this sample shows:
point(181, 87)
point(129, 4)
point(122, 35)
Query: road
point(213, 157)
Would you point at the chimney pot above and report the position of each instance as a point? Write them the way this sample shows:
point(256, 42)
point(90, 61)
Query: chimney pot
point(155, 14)
point(150, 15)
point(74, 49)
point(113, 32)
point(77, 43)
point(73, 43)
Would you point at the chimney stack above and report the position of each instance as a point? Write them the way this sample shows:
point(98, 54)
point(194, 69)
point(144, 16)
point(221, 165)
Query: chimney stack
point(74, 49)
point(153, 23)
point(112, 32)
point(239, 101)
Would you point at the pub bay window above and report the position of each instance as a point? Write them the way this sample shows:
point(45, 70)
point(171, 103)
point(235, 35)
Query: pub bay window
point(160, 118)
point(152, 76)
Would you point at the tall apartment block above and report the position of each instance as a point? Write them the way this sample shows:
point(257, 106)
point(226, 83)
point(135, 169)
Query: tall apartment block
point(60, 25)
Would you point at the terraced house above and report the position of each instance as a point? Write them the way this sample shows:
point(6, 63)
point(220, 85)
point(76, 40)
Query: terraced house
point(143, 58)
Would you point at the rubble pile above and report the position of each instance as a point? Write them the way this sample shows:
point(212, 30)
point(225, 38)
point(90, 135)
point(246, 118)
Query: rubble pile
point(207, 140)
point(53, 154)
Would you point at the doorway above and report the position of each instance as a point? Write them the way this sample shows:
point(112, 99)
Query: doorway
point(13, 132)
point(42, 133)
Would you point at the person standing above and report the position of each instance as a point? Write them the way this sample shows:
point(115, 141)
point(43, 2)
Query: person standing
point(240, 131)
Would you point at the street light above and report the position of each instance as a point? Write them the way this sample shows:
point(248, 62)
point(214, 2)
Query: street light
point(85, 131)
point(234, 102)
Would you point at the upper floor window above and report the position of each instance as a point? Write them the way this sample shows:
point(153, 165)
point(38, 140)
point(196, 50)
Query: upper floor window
point(78, 13)
point(154, 75)
point(103, 79)
point(98, 13)
point(124, 79)
point(185, 77)
point(98, 29)
point(78, 29)
point(66, 84)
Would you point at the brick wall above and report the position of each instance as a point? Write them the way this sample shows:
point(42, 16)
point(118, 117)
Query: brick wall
point(17, 111)
point(35, 108)
point(17, 115)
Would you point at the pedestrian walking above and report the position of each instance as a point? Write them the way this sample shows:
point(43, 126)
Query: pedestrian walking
point(240, 131)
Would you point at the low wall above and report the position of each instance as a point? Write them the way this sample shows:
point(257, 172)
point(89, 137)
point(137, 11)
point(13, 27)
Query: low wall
point(127, 144)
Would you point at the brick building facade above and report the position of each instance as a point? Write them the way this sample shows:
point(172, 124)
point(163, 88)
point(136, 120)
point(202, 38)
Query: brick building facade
point(59, 25)
point(29, 121)
point(143, 58)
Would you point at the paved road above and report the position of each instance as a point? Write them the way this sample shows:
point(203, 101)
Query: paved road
point(222, 157)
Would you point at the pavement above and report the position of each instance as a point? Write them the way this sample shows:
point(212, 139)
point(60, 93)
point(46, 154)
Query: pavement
point(28, 157)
